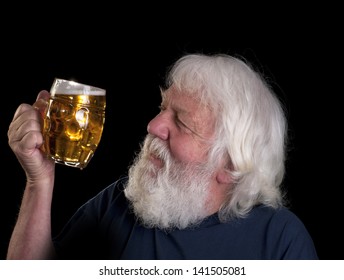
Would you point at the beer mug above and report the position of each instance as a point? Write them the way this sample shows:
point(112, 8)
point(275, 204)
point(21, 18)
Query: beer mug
point(73, 122)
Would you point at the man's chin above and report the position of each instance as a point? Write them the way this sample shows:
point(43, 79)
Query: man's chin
point(151, 170)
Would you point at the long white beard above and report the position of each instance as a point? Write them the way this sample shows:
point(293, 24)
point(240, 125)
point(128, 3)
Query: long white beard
point(174, 196)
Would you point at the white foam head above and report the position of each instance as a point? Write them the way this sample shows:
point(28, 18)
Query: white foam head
point(69, 87)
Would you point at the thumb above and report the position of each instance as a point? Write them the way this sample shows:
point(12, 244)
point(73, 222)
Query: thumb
point(43, 94)
point(41, 102)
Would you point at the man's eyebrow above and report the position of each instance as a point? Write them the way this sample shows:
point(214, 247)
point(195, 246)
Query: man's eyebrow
point(180, 109)
point(162, 93)
point(163, 96)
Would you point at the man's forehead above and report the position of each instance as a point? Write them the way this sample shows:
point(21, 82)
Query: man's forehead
point(189, 105)
point(181, 99)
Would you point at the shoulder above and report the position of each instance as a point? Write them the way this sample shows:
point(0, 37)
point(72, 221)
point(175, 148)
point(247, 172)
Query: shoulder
point(281, 214)
point(284, 230)
point(112, 191)
point(108, 196)
point(280, 219)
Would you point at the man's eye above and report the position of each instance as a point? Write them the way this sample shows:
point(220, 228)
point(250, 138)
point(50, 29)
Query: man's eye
point(181, 124)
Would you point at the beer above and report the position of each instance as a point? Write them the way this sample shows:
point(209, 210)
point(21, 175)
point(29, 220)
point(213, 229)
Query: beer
point(73, 126)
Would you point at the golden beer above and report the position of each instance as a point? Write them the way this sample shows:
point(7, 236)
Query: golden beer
point(73, 125)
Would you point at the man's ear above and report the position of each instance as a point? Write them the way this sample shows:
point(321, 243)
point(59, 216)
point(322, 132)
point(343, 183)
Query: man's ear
point(223, 176)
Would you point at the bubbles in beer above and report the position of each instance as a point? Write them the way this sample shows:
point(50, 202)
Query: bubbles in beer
point(73, 127)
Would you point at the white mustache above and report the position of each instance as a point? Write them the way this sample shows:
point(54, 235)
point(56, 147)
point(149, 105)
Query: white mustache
point(156, 147)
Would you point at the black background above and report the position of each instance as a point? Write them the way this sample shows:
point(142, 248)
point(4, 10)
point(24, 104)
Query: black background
point(301, 56)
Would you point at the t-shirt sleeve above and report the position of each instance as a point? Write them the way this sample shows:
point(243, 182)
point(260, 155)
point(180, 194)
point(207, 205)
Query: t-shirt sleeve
point(76, 240)
point(294, 241)
point(80, 237)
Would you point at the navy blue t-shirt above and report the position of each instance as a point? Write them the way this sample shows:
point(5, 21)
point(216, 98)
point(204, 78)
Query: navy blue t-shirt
point(106, 228)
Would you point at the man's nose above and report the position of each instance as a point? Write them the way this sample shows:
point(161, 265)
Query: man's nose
point(159, 126)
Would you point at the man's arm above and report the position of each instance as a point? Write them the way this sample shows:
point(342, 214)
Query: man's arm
point(31, 237)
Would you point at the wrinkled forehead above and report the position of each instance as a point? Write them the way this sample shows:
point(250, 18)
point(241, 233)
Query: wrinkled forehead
point(186, 97)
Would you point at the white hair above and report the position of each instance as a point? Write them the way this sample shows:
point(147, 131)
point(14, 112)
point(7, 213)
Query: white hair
point(250, 130)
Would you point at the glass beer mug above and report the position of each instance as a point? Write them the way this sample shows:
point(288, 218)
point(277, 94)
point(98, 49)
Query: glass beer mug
point(73, 123)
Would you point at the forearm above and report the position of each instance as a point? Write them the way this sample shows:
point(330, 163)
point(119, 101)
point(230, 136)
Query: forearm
point(31, 237)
